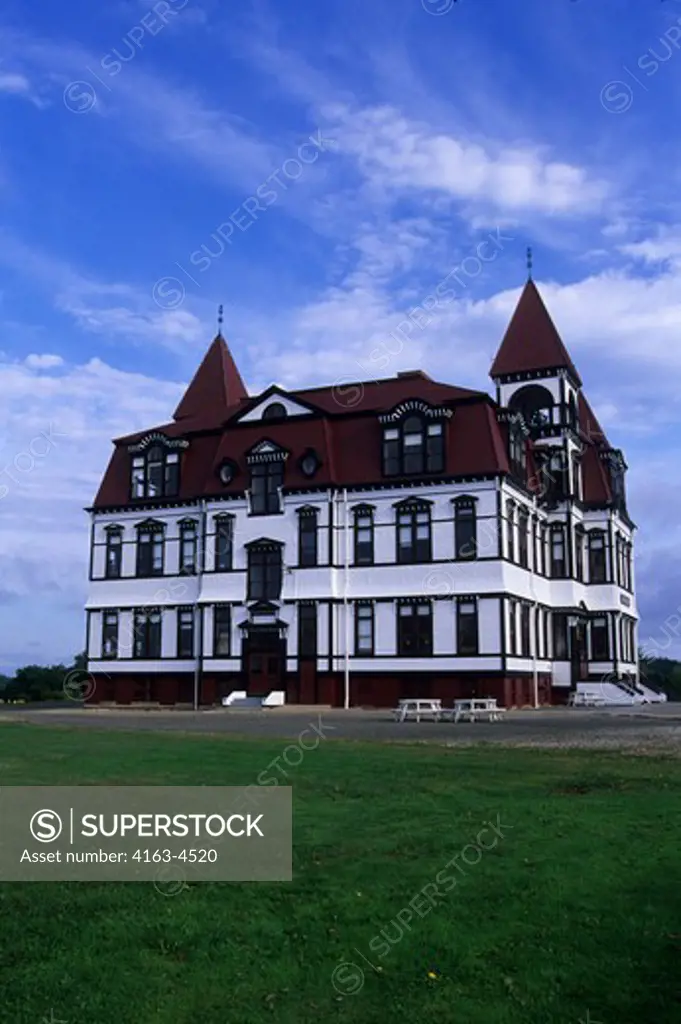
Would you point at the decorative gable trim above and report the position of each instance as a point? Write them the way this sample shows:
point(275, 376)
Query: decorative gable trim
point(266, 451)
point(433, 412)
point(157, 438)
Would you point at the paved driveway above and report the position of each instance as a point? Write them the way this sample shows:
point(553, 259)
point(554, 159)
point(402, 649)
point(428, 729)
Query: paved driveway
point(650, 727)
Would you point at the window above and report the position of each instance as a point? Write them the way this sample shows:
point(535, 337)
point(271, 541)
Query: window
point(466, 627)
point(560, 636)
point(597, 570)
point(415, 629)
point(274, 411)
point(267, 479)
point(222, 622)
point(185, 632)
point(307, 537)
point(114, 552)
point(413, 448)
point(224, 542)
point(543, 548)
point(364, 535)
point(364, 629)
point(147, 642)
point(540, 640)
point(525, 630)
point(576, 478)
point(523, 526)
point(307, 631)
point(413, 533)
point(110, 635)
point(510, 531)
point(156, 473)
point(150, 549)
point(536, 544)
point(264, 572)
point(600, 646)
point(579, 553)
point(465, 532)
point(628, 583)
point(512, 627)
point(188, 547)
point(558, 561)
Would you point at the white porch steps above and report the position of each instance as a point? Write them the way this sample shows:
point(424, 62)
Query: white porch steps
point(240, 699)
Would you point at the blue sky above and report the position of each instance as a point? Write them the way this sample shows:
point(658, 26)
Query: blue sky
point(351, 155)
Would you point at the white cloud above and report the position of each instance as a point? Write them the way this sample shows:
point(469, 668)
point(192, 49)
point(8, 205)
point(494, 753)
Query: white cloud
point(399, 153)
point(43, 362)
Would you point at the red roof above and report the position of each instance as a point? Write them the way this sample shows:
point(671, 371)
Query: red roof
point(216, 385)
point(591, 428)
point(531, 341)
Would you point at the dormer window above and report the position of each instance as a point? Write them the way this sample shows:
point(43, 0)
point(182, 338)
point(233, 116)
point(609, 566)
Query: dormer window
point(266, 463)
point(413, 447)
point(155, 468)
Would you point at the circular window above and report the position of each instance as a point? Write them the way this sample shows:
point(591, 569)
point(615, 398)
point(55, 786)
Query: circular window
point(274, 411)
point(226, 472)
point(309, 463)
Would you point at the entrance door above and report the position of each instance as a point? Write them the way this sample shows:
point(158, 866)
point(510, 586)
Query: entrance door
point(263, 673)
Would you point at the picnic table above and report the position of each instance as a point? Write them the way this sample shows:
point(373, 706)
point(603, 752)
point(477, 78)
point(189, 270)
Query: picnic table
point(476, 708)
point(418, 708)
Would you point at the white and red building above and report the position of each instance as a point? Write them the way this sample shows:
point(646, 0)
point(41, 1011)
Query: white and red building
point(355, 545)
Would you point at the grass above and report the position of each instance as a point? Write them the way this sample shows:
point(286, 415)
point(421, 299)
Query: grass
point(576, 909)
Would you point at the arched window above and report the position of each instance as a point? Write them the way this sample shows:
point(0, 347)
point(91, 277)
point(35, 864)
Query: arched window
point(274, 411)
point(413, 447)
point(536, 404)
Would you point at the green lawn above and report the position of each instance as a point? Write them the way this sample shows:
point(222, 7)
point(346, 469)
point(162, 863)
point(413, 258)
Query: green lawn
point(576, 909)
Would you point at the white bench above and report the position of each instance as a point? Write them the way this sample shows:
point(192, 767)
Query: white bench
point(418, 709)
point(476, 708)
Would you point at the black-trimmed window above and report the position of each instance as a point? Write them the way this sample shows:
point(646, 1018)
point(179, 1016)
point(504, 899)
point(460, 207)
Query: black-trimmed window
point(155, 473)
point(525, 629)
point(307, 631)
point(413, 447)
point(185, 632)
point(512, 627)
point(114, 552)
point(560, 636)
point(597, 561)
point(264, 572)
point(188, 547)
point(413, 533)
point(364, 629)
point(465, 528)
point(466, 626)
point(579, 553)
point(540, 639)
point(600, 642)
point(109, 634)
point(224, 542)
point(150, 544)
point(364, 534)
point(558, 552)
point(517, 449)
point(415, 629)
point(222, 630)
point(629, 568)
point(147, 640)
point(267, 479)
point(523, 527)
point(510, 531)
point(544, 547)
point(307, 536)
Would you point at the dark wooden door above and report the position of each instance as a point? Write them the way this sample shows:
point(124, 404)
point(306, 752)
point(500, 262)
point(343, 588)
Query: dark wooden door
point(263, 672)
point(578, 654)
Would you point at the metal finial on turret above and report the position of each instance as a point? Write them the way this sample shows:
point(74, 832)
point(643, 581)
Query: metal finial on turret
point(529, 262)
point(220, 319)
